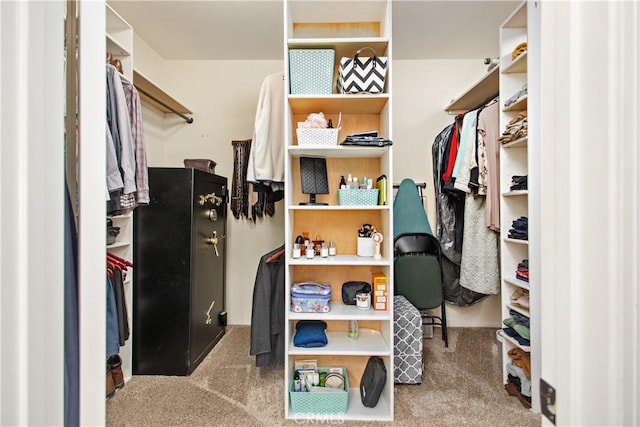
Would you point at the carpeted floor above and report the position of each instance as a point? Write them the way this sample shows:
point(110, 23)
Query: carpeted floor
point(461, 386)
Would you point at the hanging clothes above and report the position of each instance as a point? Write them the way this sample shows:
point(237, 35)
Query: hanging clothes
point(267, 312)
point(450, 217)
point(489, 129)
point(266, 159)
point(239, 203)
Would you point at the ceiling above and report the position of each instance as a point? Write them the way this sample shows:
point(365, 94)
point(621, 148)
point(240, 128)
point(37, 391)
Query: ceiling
point(253, 29)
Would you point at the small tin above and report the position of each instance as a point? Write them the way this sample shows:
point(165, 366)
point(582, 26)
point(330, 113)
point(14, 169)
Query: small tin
point(363, 300)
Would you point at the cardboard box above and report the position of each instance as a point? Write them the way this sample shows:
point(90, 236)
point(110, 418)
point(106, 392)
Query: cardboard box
point(379, 285)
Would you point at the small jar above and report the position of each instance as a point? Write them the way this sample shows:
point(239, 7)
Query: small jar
point(310, 252)
point(324, 251)
point(332, 248)
point(296, 251)
point(363, 300)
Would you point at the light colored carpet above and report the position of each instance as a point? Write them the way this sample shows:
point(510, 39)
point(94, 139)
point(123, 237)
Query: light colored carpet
point(461, 386)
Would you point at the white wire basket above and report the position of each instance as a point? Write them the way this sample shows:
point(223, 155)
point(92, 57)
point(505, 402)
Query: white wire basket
point(318, 136)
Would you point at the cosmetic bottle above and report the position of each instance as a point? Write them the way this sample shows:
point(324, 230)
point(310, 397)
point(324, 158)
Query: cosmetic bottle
point(343, 183)
point(332, 248)
point(324, 251)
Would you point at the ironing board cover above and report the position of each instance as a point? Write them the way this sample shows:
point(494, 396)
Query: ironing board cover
point(408, 212)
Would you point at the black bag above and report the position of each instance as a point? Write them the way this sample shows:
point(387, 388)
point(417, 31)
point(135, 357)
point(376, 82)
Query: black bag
point(350, 289)
point(372, 382)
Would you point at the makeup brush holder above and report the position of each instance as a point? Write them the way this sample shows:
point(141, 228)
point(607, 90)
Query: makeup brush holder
point(366, 247)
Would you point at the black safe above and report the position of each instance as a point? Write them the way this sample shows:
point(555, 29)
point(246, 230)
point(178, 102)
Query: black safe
point(179, 271)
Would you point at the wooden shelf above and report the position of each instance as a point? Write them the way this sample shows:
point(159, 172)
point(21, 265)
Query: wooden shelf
point(338, 151)
point(481, 91)
point(338, 103)
point(153, 90)
point(343, 46)
point(353, 260)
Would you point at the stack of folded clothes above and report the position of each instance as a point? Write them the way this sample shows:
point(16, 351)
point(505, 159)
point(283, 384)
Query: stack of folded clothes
point(519, 229)
point(517, 327)
point(519, 371)
point(516, 129)
point(522, 272)
point(310, 333)
point(520, 297)
point(518, 182)
point(517, 96)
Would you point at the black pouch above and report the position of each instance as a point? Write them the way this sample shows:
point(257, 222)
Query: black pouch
point(350, 289)
point(372, 382)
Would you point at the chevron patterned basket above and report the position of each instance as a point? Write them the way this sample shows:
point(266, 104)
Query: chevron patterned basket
point(362, 74)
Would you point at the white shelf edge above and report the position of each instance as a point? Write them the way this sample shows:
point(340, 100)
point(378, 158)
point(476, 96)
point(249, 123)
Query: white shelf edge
point(321, 41)
point(518, 143)
point(337, 151)
point(339, 208)
point(516, 193)
point(519, 105)
point(518, 65)
point(353, 260)
point(513, 341)
point(516, 241)
point(370, 342)
point(516, 282)
point(355, 411)
point(519, 309)
point(341, 311)
point(118, 245)
point(483, 89)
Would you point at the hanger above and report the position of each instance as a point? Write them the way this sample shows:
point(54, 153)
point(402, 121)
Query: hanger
point(275, 256)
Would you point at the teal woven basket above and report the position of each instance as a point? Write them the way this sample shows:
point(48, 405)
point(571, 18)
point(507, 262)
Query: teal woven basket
point(311, 71)
point(358, 197)
point(319, 402)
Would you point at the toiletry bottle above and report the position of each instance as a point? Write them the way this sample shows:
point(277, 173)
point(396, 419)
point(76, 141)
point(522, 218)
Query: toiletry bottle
point(332, 248)
point(310, 251)
point(324, 251)
point(296, 382)
point(343, 183)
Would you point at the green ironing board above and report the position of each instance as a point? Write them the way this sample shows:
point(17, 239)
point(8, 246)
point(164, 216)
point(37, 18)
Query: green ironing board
point(408, 212)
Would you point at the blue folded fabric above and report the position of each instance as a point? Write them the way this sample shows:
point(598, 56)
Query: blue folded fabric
point(310, 333)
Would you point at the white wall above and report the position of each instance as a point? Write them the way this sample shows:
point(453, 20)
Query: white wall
point(421, 91)
point(223, 96)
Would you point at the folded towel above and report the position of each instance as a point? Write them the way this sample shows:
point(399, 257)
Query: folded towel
point(204, 165)
point(310, 333)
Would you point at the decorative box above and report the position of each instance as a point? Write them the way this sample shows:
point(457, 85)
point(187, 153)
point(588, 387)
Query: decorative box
point(310, 297)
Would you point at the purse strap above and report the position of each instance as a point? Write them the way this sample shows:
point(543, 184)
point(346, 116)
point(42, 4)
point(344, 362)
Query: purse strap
point(359, 51)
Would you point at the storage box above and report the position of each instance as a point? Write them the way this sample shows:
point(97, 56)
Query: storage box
point(379, 287)
point(320, 402)
point(358, 197)
point(311, 71)
point(314, 136)
point(310, 297)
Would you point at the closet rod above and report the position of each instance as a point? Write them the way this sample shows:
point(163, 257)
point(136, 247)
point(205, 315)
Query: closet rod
point(187, 119)
point(418, 184)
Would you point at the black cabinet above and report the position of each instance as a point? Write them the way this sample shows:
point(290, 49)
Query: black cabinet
point(179, 273)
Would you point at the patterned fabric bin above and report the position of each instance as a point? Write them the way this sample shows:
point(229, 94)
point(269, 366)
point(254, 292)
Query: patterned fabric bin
point(311, 71)
point(320, 402)
point(407, 342)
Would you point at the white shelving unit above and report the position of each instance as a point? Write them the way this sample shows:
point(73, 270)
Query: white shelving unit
point(515, 160)
point(479, 92)
point(313, 25)
point(120, 44)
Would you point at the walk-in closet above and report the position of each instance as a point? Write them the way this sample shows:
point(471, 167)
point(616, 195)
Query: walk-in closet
point(228, 192)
